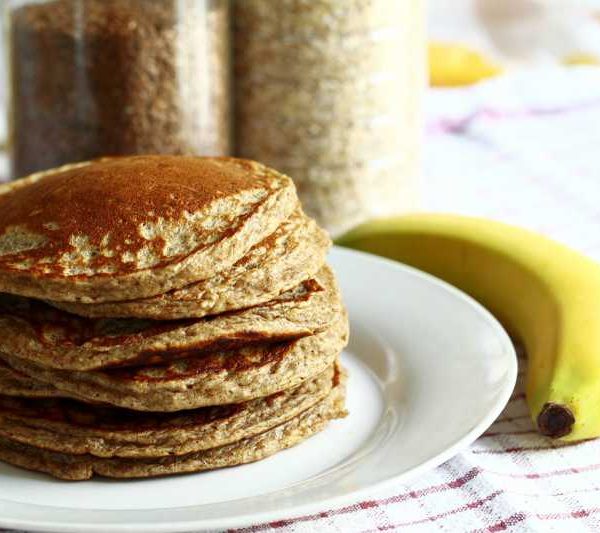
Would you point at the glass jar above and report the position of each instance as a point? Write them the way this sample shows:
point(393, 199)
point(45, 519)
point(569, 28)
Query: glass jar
point(330, 92)
point(110, 77)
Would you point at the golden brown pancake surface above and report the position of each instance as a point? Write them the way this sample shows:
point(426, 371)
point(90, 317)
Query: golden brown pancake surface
point(122, 228)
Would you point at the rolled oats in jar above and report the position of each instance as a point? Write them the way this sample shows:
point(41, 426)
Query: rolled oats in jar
point(330, 92)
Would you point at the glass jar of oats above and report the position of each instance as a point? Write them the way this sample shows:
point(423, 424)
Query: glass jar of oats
point(109, 77)
point(330, 92)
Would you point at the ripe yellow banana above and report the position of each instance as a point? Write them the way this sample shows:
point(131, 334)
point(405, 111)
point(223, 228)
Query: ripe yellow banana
point(543, 292)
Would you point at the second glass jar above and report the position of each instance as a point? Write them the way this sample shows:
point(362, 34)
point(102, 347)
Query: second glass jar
point(329, 92)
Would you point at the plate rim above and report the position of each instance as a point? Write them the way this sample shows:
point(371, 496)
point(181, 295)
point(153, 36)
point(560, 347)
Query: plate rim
point(296, 511)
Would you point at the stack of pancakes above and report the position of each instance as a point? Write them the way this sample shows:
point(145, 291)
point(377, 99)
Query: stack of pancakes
point(161, 315)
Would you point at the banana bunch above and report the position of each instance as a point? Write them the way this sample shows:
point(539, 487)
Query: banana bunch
point(545, 294)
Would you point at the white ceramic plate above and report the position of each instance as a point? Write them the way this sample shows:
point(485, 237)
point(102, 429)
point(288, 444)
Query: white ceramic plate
point(430, 370)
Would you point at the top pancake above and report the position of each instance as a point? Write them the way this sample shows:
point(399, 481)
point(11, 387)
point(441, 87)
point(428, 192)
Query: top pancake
point(134, 227)
point(287, 257)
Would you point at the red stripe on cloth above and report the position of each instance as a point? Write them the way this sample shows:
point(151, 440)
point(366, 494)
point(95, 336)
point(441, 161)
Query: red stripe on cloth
point(459, 125)
point(517, 432)
point(503, 525)
point(537, 475)
point(506, 523)
point(471, 505)
point(455, 484)
point(553, 494)
point(581, 513)
point(516, 449)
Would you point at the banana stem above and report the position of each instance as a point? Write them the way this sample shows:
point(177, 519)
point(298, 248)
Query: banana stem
point(555, 420)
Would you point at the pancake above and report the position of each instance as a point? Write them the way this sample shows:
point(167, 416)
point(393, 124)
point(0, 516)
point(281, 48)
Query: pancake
point(37, 332)
point(15, 383)
point(134, 227)
point(77, 428)
point(216, 378)
point(81, 467)
point(290, 255)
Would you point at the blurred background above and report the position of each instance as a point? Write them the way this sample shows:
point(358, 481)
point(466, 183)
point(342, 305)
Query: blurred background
point(521, 33)
point(513, 122)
